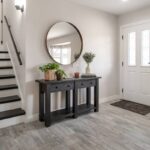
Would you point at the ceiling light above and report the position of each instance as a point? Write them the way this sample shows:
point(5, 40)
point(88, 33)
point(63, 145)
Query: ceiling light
point(124, 0)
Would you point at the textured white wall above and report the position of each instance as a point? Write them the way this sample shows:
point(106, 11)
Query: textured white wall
point(136, 16)
point(99, 31)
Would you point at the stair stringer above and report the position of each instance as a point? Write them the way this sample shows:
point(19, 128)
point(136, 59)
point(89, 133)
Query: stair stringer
point(16, 75)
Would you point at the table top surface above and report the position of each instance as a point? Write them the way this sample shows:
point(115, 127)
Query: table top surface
point(65, 80)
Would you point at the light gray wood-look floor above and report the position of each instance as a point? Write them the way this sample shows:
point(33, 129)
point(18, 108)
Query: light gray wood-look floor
point(110, 129)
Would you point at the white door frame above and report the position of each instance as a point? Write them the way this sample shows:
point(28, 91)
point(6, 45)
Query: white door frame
point(121, 60)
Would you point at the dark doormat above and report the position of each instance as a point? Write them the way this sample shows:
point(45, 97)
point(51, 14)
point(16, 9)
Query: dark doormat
point(132, 106)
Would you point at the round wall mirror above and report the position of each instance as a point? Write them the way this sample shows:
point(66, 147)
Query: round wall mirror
point(64, 43)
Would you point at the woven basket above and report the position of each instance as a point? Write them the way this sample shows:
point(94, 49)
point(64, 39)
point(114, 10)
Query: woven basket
point(50, 75)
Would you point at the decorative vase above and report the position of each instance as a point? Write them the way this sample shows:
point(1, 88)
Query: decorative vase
point(50, 75)
point(76, 74)
point(88, 69)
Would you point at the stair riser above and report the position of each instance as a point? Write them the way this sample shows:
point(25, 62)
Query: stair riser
point(3, 55)
point(10, 112)
point(9, 93)
point(9, 106)
point(7, 81)
point(6, 71)
point(5, 63)
point(11, 121)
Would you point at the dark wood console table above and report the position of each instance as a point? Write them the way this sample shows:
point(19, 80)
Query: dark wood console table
point(48, 87)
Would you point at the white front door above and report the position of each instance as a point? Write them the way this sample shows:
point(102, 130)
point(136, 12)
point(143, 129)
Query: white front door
point(136, 64)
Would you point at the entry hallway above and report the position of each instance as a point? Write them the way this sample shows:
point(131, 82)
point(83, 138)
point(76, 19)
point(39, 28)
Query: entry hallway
point(110, 129)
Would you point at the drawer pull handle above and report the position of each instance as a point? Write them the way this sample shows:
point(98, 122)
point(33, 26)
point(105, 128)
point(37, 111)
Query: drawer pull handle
point(82, 84)
point(68, 86)
point(91, 83)
point(56, 87)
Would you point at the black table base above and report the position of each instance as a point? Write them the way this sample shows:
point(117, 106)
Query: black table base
point(67, 85)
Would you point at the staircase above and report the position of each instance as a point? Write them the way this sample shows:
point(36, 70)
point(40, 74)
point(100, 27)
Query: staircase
point(10, 101)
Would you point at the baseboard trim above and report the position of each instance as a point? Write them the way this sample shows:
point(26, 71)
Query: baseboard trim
point(32, 118)
point(35, 117)
point(111, 98)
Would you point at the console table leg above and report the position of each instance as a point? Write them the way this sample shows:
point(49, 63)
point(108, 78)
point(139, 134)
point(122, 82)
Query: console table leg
point(41, 104)
point(47, 109)
point(96, 96)
point(88, 96)
point(67, 101)
point(75, 103)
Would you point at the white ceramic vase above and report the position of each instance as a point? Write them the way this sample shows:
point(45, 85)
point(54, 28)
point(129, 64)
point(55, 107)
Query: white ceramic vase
point(87, 70)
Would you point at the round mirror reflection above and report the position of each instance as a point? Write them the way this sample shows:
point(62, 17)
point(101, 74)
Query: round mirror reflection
point(64, 43)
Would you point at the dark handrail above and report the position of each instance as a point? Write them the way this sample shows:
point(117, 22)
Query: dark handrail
point(14, 44)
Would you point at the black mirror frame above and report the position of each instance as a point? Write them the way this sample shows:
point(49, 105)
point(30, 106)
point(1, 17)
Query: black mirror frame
point(80, 39)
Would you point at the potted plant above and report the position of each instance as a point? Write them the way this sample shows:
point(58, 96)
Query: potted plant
point(88, 57)
point(49, 70)
point(60, 74)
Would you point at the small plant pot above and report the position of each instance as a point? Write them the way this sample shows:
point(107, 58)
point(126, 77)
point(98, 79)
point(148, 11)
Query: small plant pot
point(59, 77)
point(50, 75)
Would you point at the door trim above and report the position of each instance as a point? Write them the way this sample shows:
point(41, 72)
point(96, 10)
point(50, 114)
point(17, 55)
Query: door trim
point(121, 51)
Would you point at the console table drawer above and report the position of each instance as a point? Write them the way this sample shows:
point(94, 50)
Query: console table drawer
point(61, 87)
point(86, 83)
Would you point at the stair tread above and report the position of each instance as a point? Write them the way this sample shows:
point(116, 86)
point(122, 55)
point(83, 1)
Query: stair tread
point(3, 52)
point(9, 99)
point(11, 113)
point(7, 87)
point(7, 76)
point(5, 59)
point(6, 67)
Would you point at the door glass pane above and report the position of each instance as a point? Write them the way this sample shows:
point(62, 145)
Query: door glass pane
point(132, 49)
point(145, 48)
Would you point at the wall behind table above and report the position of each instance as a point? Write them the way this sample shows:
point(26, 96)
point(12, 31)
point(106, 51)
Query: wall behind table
point(99, 31)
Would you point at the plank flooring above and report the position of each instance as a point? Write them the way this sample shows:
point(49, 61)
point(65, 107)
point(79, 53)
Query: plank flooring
point(110, 129)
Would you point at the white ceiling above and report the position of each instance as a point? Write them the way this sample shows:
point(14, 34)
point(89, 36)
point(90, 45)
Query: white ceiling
point(117, 7)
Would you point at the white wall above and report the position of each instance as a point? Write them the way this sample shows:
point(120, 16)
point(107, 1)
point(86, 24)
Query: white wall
point(0, 26)
point(16, 20)
point(99, 31)
point(133, 17)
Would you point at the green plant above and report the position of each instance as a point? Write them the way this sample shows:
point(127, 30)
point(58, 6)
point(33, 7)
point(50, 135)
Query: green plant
point(60, 74)
point(54, 66)
point(88, 57)
point(49, 66)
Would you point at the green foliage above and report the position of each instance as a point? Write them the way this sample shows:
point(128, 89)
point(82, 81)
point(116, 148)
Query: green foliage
point(54, 66)
point(49, 66)
point(60, 72)
point(88, 57)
